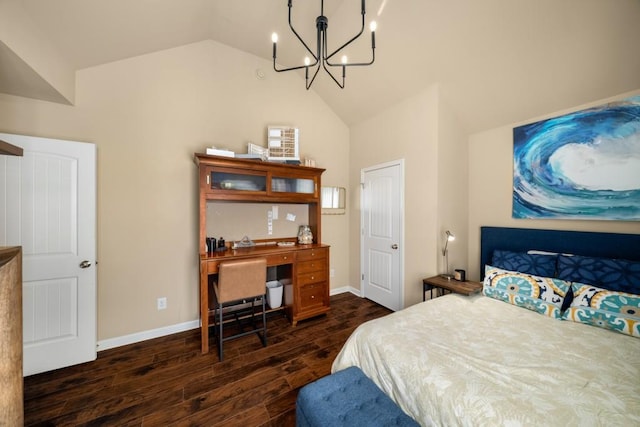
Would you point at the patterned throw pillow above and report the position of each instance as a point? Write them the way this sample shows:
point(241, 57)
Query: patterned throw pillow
point(536, 264)
point(615, 274)
point(540, 294)
point(618, 311)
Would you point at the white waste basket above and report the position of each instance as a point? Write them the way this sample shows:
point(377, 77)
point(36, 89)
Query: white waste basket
point(274, 293)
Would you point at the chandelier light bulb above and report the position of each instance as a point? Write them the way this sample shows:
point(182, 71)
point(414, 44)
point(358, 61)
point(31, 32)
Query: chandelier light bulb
point(307, 61)
point(373, 26)
point(274, 37)
point(344, 59)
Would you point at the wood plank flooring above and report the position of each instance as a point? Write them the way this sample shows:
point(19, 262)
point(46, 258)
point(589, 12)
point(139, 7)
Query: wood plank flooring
point(167, 381)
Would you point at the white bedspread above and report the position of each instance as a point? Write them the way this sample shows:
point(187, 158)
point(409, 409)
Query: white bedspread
point(476, 361)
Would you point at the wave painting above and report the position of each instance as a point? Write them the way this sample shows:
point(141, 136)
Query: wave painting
point(584, 165)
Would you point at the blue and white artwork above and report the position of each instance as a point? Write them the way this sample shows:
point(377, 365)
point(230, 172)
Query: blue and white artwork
point(584, 165)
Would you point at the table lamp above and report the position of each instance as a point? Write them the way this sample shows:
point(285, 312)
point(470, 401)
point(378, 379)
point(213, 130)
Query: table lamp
point(449, 237)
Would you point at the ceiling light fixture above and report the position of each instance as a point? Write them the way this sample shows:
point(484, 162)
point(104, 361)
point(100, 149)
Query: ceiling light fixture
point(321, 58)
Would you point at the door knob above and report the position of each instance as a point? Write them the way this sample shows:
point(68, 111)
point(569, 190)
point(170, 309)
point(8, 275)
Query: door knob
point(85, 264)
point(394, 246)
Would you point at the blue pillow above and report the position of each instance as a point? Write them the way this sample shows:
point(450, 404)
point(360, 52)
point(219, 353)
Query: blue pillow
point(535, 264)
point(612, 274)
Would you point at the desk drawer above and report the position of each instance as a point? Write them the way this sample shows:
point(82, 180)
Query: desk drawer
point(282, 258)
point(315, 253)
point(313, 277)
point(311, 266)
point(212, 267)
point(313, 296)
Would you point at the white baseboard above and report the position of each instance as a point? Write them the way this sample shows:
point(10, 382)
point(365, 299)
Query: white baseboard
point(147, 335)
point(181, 327)
point(342, 290)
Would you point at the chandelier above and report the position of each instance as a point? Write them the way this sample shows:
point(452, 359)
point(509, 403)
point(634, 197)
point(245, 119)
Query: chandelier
point(321, 57)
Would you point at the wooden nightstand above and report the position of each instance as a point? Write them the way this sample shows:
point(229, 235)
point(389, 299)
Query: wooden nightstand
point(439, 282)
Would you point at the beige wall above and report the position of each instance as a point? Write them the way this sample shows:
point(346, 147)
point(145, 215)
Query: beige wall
point(44, 73)
point(148, 115)
point(424, 134)
point(490, 188)
point(453, 191)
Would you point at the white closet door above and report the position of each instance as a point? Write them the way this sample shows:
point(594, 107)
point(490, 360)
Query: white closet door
point(381, 244)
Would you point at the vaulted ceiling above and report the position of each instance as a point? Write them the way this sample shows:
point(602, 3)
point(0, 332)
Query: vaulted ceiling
point(495, 61)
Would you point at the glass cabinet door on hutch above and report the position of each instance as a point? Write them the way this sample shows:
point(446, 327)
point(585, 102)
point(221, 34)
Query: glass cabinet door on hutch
point(223, 179)
point(293, 185)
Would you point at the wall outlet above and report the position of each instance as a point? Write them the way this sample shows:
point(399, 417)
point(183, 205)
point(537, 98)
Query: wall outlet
point(332, 273)
point(162, 303)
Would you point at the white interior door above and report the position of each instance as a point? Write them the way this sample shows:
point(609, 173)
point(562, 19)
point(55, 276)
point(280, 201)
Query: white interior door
point(48, 200)
point(381, 246)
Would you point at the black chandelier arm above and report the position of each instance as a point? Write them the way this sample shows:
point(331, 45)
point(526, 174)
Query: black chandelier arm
point(327, 57)
point(298, 36)
point(330, 74)
point(306, 76)
point(299, 67)
point(356, 64)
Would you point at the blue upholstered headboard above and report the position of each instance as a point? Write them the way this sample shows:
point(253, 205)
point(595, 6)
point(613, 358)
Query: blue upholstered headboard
point(602, 245)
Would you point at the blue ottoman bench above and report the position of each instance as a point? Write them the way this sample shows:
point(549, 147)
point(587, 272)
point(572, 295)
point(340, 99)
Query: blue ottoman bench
point(347, 398)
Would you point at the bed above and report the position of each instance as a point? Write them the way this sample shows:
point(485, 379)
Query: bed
point(513, 358)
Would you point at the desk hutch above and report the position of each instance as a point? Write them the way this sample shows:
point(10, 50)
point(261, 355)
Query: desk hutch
point(303, 269)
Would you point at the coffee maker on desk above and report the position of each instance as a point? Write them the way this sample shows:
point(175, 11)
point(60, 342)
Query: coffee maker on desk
point(215, 246)
point(211, 245)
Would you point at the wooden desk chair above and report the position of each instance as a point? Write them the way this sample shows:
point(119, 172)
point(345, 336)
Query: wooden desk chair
point(240, 282)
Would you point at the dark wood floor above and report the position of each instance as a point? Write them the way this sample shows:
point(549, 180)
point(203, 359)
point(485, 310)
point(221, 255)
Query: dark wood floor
point(167, 381)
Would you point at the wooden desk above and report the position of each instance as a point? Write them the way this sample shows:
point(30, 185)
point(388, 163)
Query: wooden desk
point(303, 269)
point(439, 282)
